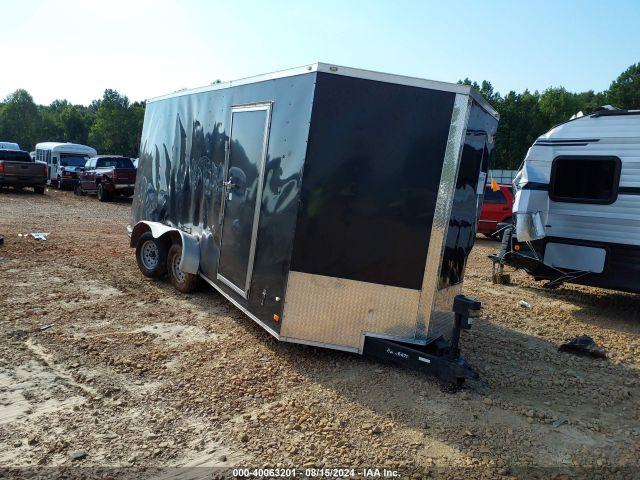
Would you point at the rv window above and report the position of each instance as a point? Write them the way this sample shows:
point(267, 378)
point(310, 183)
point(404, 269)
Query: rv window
point(585, 179)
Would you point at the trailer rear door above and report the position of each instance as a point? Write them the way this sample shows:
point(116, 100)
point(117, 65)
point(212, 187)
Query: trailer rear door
point(242, 194)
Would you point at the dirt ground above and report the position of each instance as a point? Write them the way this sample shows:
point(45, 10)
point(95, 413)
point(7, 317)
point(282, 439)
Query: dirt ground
point(131, 373)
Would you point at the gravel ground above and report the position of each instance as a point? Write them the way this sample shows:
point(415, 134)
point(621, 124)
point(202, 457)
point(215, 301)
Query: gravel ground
point(133, 374)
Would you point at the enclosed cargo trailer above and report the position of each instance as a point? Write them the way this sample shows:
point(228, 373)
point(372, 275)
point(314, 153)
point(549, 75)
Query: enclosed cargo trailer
point(335, 207)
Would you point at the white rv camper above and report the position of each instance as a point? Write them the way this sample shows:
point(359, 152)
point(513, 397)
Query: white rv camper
point(577, 203)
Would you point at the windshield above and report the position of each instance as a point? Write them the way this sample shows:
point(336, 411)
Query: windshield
point(73, 160)
point(120, 162)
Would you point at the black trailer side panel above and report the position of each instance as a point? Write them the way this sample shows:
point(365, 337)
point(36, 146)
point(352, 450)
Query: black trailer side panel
point(463, 223)
point(182, 167)
point(371, 180)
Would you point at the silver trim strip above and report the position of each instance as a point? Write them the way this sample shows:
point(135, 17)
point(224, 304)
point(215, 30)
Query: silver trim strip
point(340, 70)
point(254, 107)
point(258, 207)
point(241, 308)
point(414, 341)
point(442, 213)
point(231, 285)
point(321, 345)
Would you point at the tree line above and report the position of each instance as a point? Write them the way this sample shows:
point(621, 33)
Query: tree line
point(527, 115)
point(113, 125)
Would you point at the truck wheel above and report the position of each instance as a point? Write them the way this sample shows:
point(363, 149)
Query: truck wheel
point(184, 282)
point(79, 191)
point(39, 189)
point(151, 255)
point(103, 193)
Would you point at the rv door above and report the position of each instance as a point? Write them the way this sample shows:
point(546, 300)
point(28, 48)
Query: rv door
point(242, 195)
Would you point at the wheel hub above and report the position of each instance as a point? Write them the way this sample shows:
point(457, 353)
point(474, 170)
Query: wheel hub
point(149, 254)
point(176, 270)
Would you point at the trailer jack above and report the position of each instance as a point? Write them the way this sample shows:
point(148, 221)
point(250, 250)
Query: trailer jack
point(437, 357)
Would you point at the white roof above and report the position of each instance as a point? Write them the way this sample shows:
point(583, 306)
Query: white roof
point(66, 147)
point(345, 71)
point(596, 127)
point(9, 146)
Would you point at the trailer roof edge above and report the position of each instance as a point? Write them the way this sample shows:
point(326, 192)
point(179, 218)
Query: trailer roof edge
point(340, 70)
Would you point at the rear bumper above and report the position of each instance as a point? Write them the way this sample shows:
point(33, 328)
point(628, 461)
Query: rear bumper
point(121, 188)
point(22, 181)
point(621, 270)
point(487, 226)
point(69, 181)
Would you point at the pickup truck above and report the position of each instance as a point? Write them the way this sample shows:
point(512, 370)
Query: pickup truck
point(107, 176)
point(18, 170)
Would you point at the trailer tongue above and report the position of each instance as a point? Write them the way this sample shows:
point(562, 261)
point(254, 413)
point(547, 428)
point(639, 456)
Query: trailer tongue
point(437, 356)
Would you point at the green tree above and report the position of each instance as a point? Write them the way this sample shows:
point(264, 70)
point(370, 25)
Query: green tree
point(117, 125)
point(624, 92)
point(557, 106)
point(20, 119)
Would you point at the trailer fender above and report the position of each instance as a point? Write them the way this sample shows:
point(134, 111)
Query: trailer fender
point(190, 260)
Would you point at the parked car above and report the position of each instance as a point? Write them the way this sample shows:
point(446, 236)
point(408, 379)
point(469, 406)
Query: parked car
point(107, 176)
point(18, 170)
point(9, 146)
point(496, 209)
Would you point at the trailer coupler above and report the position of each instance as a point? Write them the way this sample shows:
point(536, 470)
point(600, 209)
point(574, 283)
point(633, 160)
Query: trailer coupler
point(438, 357)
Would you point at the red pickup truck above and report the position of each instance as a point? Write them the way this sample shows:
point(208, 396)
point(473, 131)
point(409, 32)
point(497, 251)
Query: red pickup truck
point(18, 170)
point(496, 209)
point(107, 176)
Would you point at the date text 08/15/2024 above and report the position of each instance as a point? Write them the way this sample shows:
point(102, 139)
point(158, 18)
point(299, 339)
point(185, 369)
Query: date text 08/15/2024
point(315, 473)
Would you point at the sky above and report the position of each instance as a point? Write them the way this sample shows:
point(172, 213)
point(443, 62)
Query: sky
point(76, 49)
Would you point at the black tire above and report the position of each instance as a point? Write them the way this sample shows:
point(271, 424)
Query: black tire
point(184, 282)
point(103, 194)
point(148, 248)
point(39, 190)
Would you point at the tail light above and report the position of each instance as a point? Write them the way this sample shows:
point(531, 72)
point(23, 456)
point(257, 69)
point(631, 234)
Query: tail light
point(1, 168)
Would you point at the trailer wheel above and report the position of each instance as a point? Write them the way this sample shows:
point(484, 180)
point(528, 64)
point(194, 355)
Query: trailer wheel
point(183, 281)
point(39, 189)
point(151, 255)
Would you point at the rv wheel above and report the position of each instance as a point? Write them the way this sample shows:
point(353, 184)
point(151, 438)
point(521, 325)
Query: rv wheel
point(184, 282)
point(151, 255)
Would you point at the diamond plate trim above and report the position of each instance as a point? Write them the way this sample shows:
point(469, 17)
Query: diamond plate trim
point(441, 321)
point(442, 213)
point(336, 311)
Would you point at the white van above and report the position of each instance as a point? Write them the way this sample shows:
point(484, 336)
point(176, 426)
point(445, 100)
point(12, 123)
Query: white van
point(64, 161)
